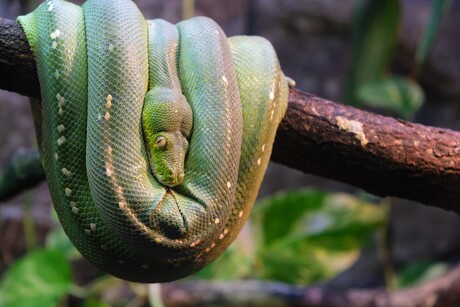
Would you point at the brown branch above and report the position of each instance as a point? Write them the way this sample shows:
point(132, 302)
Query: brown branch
point(443, 291)
point(381, 155)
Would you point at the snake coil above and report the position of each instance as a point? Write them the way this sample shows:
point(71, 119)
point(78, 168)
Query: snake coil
point(155, 137)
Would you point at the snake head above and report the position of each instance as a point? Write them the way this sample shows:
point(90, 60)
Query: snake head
point(167, 156)
point(167, 123)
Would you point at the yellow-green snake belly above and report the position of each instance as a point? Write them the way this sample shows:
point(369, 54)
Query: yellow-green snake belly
point(156, 137)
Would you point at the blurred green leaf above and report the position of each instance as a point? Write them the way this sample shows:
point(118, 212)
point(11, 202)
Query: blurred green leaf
point(236, 262)
point(397, 94)
point(419, 272)
point(40, 278)
point(309, 236)
point(375, 28)
point(439, 8)
point(95, 303)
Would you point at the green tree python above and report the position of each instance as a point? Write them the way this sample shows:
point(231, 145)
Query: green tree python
point(156, 136)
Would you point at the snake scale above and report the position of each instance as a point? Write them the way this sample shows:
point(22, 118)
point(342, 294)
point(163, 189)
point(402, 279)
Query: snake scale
point(155, 137)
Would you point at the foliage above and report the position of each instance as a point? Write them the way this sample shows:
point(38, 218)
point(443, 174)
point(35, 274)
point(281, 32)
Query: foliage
point(40, 278)
point(301, 237)
point(419, 272)
point(370, 81)
point(399, 94)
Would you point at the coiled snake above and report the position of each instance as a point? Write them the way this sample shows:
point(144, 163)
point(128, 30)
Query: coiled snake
point(156, 136)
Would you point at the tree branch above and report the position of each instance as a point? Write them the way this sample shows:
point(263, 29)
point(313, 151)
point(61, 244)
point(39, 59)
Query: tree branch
point(382, 155)
point(443, 291)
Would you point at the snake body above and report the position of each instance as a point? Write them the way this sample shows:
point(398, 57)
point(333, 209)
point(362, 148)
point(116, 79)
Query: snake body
point(156, 136)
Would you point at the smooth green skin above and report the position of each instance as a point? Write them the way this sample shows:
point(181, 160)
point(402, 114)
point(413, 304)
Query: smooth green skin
point(156, 136)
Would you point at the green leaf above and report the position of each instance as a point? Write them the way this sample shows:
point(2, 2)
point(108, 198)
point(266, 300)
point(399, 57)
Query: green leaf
point(375, 28)
point(397, 94)
point(439, 8)
point(419, 272)
point(40, 278)
point(309, 236)
point(235, 263)
point(95, 303)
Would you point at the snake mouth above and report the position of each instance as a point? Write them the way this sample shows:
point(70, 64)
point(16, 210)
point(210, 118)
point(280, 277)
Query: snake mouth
point(171, 178)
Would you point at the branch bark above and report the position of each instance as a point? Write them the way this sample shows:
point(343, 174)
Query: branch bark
point(382, 155)
point(444, 291)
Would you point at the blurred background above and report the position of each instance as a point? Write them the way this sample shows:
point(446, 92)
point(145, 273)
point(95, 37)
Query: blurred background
point(395, 57)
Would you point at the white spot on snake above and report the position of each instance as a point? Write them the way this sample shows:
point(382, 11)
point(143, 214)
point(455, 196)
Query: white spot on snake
point(225, 80)
point(75, 210)
point(109, 150)
point(61, 140)
point(56, 156)
point(99, 116)
point(66, 172)
point(208, 250)
point(109, 101)
point(87, 232)
point(240, 214)
point(110, 47)
point(144, 266)
point(221, 236)
point(259, 161)
point(108, 170)
point(61, 111)
point(73, 204)
point(68, 192)
point(271, 115)
point(225, 231)
point(107, 116)
point(55, 34)
point(192, 244)
point(54, 45)
point(50, 7)
point(272, 95)
point(216, 221)
point(61, 128)
point(213, 245)
point(229, 185)
point(122, 205)
point(92, 226)
point(158, 240)
point(354, 127)
point(263, 148)
point(57, 74)
point(197, 241)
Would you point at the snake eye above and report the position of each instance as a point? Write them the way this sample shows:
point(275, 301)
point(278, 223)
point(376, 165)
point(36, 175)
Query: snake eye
point(160, 142)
